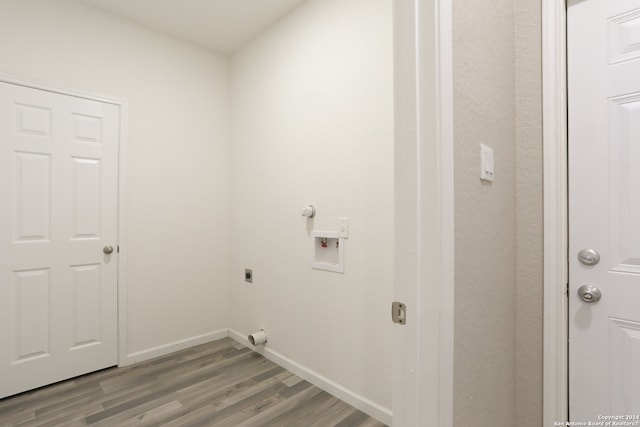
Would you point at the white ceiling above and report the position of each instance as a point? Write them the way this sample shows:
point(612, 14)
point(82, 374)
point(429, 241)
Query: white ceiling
point(220, 25)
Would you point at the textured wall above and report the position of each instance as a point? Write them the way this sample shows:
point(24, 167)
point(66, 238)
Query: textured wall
point(529, 207)
point(312, 122)
point(485, 214)
point(178, 153)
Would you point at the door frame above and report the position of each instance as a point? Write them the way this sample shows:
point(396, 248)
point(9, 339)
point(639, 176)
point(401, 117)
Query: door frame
point(424, 224)
point(555, 199)
point(122, 194)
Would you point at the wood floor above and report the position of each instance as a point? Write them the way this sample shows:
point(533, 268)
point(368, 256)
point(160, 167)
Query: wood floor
point(217, 384)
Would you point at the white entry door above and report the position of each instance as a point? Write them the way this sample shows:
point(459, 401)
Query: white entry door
point(604, 209)
point(58, 217)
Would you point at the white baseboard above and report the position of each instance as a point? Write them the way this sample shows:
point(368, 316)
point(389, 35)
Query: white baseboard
point(171, 347)
point(359, 402)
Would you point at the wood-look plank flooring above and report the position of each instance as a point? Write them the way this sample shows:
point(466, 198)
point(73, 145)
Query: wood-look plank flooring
point(217, 384)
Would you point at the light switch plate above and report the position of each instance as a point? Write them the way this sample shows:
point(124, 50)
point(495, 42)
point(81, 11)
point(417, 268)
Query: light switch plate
point(343, 227)
point(486, 163)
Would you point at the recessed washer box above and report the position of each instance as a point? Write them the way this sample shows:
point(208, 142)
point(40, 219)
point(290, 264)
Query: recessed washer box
point(328, 251)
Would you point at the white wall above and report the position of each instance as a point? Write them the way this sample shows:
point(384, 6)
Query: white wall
point(178, 153)
point(312, 122)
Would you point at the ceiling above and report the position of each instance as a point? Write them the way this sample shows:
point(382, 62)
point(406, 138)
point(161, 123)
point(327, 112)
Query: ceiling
point(223, 26)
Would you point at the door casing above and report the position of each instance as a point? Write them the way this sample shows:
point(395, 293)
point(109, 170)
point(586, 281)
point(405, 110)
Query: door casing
point(555, 198)
point(122, 199)
point(424, 240)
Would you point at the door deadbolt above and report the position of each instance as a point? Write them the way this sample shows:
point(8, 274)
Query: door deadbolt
point(589, 257)
point(589, 293)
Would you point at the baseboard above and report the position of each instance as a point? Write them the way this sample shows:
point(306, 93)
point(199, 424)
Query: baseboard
point(171, 347)
point(341, 392)
point(359, 402)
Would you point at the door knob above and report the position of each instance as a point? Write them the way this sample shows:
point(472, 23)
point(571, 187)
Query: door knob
point(589, 293)
point(589, 257)
point(107, 250)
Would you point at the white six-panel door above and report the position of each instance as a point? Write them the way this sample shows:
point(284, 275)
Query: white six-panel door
point(58, 210)
point(604, 208)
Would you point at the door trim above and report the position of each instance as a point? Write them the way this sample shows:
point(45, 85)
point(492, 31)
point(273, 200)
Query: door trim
point(122, 194)
point(424, 247)
point(555, 189)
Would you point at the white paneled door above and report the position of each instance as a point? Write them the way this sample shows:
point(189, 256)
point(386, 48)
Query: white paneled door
point(604, 210)
point(58, 217)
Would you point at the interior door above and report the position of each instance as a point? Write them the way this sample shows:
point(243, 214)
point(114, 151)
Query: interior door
point(58, 223)
point(604, 209)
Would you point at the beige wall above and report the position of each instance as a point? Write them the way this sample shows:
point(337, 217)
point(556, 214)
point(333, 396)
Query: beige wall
point(529, 300)
point(312, 122)
point(485, 214)
point(498, 227)
point(178, 153)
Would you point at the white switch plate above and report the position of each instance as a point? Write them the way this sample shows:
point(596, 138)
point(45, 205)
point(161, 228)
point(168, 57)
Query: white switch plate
point(486, 163)
point(343, 227)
